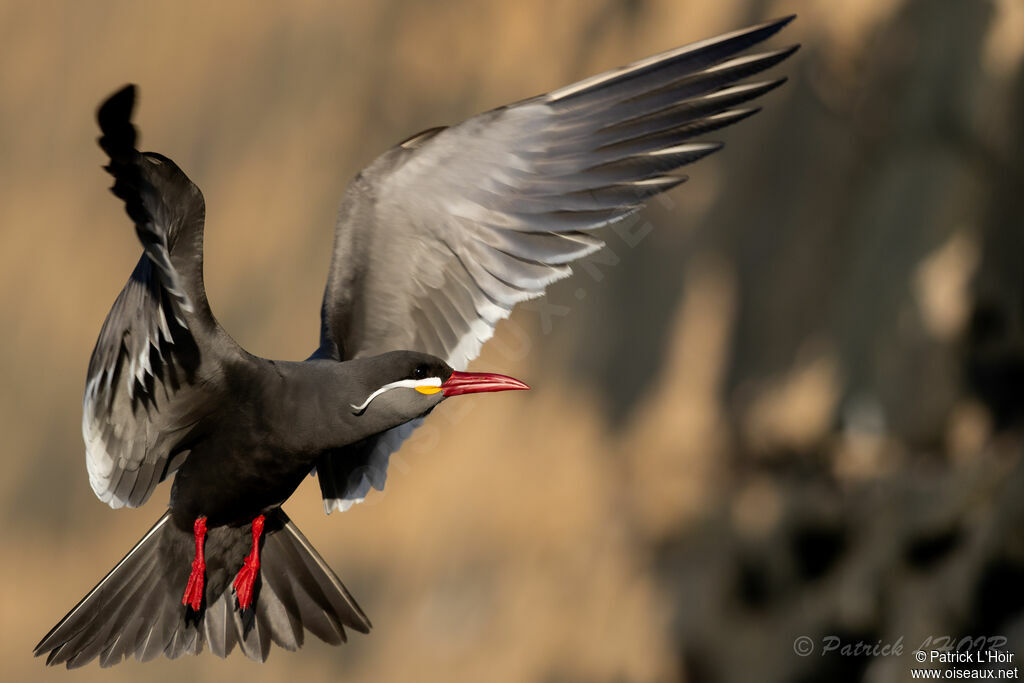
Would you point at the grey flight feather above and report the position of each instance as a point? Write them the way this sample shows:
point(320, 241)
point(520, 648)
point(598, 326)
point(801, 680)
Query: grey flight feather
point(153, 371)
point(441, 236)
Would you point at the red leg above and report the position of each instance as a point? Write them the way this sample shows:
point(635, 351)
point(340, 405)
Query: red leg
point(250, 568)
point(194, 590)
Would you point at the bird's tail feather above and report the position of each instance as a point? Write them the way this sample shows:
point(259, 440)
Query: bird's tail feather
point(136, 609)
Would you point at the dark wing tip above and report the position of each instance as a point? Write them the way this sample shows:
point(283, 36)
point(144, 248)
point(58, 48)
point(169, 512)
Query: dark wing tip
point(115, 119)
point(782, 21)
point(765, 30)
point(786, 53)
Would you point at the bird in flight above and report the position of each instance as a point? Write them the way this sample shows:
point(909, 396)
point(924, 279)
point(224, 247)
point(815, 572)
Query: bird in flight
point(435, 243)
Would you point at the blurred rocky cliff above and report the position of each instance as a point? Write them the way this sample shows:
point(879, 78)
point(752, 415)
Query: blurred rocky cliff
point(786, 401)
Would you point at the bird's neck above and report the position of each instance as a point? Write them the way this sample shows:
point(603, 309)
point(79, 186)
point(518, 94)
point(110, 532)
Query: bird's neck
point(317, 399)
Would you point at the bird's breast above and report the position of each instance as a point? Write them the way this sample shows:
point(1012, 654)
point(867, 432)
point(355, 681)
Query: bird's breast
point(231, 483)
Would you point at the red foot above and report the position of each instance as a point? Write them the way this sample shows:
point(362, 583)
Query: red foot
point(250, 568)
point(194, 590)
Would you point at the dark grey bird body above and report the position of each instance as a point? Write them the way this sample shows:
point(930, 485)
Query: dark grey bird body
point(283, 417)
point(436, 242)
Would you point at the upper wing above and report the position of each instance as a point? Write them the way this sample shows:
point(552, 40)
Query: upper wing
point(441, 236)
point(143, 391)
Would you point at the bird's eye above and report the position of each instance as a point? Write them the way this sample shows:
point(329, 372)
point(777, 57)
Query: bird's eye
point(420, 372)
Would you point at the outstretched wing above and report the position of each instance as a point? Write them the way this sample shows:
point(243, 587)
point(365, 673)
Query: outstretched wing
point(153, 374)
point(441, 236)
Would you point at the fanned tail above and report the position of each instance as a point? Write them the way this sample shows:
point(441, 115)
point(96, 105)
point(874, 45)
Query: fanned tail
point(136, 609)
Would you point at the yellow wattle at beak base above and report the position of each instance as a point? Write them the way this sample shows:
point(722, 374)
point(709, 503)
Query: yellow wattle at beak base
point(428, 390)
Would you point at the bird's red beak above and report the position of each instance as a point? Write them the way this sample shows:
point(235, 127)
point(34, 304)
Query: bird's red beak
point(476, 382)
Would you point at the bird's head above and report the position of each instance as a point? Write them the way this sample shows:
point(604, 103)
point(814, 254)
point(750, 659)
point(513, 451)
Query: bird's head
point(408, 384)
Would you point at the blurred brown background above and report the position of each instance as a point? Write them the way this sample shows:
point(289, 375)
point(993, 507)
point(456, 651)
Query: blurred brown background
point(792, 406)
